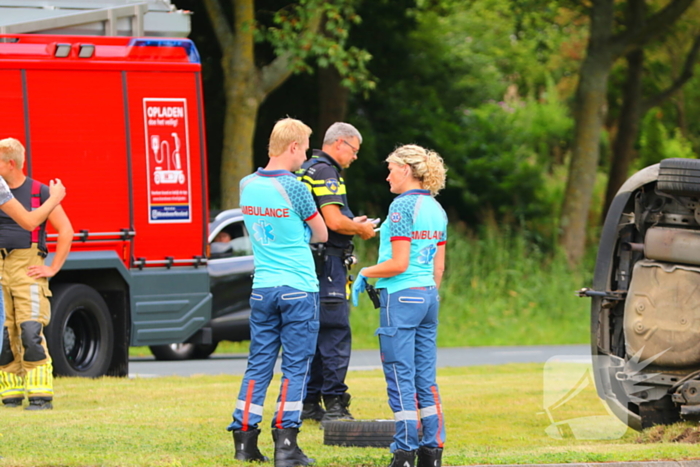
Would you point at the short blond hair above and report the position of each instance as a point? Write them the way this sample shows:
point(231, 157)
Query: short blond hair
point(12, 149)
point(426, 166)
point(287, 131)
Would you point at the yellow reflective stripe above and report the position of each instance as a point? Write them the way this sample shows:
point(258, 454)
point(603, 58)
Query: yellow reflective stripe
point(10, 384)
point(337, 203)
point(40, 379)
point(323, 191)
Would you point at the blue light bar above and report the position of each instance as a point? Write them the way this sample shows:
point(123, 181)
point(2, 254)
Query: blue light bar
point(186, 44)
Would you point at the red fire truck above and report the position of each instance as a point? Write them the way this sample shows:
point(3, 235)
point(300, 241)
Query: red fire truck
point(120, 121)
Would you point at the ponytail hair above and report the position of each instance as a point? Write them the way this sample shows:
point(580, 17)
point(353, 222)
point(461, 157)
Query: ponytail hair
point(426, 166)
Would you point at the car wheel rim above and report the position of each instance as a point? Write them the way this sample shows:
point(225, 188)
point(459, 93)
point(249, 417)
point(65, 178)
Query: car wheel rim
point(181, 348)
point(81, 339)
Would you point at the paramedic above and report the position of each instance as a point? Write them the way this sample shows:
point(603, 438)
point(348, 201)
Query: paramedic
point(281, 215)
point(410, 266)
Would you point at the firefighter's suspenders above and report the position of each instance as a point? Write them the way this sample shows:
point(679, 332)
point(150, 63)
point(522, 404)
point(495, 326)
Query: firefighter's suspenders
point(36, 202)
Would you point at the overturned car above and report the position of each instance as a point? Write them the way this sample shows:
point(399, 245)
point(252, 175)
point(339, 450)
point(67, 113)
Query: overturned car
point(645, 312)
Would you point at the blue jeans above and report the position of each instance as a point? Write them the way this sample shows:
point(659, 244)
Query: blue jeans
point(279, 317)
point(407, 339)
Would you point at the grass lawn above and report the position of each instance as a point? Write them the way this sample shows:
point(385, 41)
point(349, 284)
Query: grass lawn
point(494, 414)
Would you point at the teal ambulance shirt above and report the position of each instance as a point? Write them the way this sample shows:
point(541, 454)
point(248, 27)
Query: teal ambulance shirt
point(416, 217)
point(275, 207)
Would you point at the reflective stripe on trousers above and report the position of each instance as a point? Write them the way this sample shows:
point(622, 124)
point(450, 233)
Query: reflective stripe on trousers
point(279, 317)
point(407, 339)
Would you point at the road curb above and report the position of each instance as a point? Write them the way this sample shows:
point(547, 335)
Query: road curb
point(692, 463)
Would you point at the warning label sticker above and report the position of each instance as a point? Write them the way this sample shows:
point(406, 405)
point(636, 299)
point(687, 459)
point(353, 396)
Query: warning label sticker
point(167, 160)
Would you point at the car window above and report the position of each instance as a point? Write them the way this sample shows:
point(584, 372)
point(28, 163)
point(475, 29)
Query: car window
point(231, 241)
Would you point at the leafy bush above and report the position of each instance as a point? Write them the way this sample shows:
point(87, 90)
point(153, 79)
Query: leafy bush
point(657, 142)
point(506, 150)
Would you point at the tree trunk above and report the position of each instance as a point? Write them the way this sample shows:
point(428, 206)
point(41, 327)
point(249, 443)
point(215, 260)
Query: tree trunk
point(591, 107)
point(333, 99)
point(628, 127)
point(681, 120)
point(243, 98)
point(239, 130)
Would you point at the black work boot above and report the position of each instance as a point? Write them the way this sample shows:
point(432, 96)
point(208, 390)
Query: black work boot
point(246, 444)
point(12, 402)
point(287, 451)
point(39, 403)
point(403, 459)
point(312, 410)
point(337, 408)
point(429, 457)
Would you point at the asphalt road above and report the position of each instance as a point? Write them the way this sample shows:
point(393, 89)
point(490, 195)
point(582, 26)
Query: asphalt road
point(234, 364)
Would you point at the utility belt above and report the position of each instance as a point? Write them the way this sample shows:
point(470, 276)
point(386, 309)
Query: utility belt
point(321, 252)
point(4, 252)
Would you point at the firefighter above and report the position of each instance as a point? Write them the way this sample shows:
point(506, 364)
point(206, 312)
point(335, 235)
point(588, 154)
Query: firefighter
point(25, 363)
point(321, 174)
point(410, 266)
point(282, 218)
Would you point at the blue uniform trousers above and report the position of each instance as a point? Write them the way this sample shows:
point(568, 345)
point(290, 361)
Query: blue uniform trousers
point(280, 317)
point(330, 364)
point(407, 339)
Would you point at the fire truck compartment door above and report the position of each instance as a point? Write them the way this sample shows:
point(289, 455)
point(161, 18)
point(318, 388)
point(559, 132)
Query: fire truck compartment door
point(169, 305)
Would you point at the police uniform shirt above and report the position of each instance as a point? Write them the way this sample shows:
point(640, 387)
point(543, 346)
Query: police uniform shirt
point(414, 216)
point(321, 174)
point(275, 206)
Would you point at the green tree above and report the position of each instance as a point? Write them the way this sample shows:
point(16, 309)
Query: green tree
point(667, 68)
point(294, 36)
point(606, 44)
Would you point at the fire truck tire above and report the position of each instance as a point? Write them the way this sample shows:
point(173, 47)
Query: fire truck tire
point(80, 336)
point(184, 351)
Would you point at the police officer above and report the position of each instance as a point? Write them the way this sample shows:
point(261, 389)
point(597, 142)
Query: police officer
point(25, 363)
point(410, 267)
point(282, 218)
point(321, 174)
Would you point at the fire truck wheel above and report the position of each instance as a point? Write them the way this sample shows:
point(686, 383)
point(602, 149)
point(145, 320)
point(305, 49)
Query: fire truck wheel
point(182, 351)
point(80, 336)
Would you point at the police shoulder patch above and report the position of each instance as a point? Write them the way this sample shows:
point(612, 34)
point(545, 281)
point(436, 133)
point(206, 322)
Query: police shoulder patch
point(332, 185)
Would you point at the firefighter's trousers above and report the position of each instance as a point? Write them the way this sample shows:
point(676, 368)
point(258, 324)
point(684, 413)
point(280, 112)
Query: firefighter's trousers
point(24, 352)
point(280, 317)
point(407, 339)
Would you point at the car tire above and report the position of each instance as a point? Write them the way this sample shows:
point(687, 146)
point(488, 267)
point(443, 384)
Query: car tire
point(173, 351)
point(360, 433)
point(679, 177)
point(80, 336)
point(202, 351)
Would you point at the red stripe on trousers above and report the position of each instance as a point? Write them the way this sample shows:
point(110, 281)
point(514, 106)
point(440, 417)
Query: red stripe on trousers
point(248, 398)
point(283, 398)
point(438, 406)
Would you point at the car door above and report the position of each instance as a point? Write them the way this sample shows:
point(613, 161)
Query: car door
point(230, 270)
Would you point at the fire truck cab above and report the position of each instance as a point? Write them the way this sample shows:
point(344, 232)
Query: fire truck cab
point(120, 120)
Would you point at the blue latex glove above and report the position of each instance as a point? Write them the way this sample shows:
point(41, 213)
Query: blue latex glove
point(359, 286)
point(307, 233)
